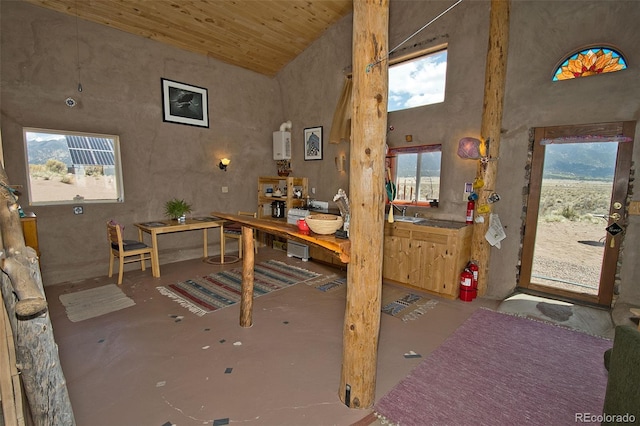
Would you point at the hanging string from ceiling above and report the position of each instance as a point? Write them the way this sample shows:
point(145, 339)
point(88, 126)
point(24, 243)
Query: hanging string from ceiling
point(413, 35)
point(78, 50)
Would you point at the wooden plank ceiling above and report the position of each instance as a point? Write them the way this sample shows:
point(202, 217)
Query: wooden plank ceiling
point(259, 35)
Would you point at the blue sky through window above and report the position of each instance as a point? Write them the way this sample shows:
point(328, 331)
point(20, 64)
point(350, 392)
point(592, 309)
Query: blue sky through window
point(420, 81)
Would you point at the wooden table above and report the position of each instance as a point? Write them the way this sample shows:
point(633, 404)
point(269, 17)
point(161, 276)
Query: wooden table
point(338, 247)
point(154, 228)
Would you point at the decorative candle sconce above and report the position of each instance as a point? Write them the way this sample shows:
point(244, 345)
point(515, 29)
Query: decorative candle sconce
point(340, 160)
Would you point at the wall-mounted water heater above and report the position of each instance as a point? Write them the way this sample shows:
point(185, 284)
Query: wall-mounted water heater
point(282, 142)
point(281, 145)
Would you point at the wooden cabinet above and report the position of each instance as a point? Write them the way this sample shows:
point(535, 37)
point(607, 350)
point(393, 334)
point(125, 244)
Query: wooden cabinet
point(428, 258)
point(30, 231)
point(287, 185)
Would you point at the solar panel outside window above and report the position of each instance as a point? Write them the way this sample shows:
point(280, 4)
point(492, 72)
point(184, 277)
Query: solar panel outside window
point(68, 167)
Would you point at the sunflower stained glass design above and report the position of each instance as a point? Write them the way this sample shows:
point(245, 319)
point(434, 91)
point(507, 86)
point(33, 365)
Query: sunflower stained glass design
point(592, 61)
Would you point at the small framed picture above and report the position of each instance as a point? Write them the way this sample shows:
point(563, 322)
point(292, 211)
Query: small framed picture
point(184, 104)
point(313, 143)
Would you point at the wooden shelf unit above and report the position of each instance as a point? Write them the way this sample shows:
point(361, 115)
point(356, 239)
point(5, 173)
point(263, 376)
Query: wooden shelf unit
point(282, 182)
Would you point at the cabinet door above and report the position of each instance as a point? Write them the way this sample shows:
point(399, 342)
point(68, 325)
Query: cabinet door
point(396, 259)
point(429, 256)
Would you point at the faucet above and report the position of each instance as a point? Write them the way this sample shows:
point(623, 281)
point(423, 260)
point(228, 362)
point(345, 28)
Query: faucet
point(403, 210)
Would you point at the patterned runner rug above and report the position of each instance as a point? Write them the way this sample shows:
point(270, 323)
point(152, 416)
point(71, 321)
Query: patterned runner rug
point(216, 291)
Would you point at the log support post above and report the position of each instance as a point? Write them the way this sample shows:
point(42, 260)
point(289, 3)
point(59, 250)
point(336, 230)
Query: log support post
point(366, 191)
point(248, 261)
point(495, 76)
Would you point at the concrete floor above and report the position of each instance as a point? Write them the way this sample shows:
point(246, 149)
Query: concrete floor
point(597, 322)
point(156, 363)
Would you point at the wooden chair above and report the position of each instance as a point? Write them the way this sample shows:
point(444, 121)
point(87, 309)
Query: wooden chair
point(234, 230)
point(122, 249)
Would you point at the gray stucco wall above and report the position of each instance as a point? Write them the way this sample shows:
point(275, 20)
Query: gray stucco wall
point(541, 34)
point(121, 75)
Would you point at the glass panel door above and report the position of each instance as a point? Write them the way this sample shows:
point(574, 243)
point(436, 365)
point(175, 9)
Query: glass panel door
point(573, 215)
point(575, 211)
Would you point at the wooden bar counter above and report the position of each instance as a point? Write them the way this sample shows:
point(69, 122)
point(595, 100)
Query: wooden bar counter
point(338, 247)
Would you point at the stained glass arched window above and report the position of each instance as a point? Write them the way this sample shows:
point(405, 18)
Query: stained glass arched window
point(591, 61)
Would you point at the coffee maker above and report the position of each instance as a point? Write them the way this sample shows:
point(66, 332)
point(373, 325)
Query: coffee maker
point(278, 209)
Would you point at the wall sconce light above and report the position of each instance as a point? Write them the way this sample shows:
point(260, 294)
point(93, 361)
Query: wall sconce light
point(224, 163)
point(340, 160)
point(471, 148)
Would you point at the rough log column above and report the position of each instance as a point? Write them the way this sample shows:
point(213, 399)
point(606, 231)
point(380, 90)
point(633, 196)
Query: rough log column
point(23, 296)
point(495, 76)
point(366, 191)
point(248, 263)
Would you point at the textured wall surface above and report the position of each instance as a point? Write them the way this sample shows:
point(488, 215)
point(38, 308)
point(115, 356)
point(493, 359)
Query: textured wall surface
point(121, 75)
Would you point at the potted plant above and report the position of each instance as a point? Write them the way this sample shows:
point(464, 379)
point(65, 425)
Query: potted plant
point(177, 209)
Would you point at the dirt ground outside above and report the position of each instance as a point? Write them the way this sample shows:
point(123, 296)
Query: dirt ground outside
point(559, 254)
point(89, 187)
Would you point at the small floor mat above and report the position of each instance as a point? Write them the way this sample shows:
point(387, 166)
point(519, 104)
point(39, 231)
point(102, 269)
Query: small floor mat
point(404, 304)
point(397, 302)
point(94, 302)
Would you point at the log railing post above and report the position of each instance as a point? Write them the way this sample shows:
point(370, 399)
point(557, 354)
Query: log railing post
point(23, 296)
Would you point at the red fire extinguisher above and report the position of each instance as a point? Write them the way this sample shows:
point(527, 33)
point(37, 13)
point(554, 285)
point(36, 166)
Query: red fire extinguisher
point(466, 285)
point(471, 205)
point(473, 268)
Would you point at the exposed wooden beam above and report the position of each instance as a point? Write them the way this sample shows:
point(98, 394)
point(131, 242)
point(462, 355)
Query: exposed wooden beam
point(494, 83)
point(366, 190)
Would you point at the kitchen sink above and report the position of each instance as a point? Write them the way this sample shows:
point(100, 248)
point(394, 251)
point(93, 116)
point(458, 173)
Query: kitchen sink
point(448, 224)
point(409, 219)
point(434, 223)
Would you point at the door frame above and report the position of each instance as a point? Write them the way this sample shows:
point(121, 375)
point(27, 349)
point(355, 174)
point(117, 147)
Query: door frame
point(609, 268)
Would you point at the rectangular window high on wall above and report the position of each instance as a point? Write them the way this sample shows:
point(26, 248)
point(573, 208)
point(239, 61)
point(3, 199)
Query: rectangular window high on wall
point(71, 167)
point(418, 81)
point(416, 173)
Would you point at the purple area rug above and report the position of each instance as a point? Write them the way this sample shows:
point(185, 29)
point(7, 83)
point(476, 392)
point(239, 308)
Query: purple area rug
point(499, 369)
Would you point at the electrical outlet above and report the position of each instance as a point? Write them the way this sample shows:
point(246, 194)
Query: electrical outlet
point(78, 210)
point(313, 190)
point(225, 189)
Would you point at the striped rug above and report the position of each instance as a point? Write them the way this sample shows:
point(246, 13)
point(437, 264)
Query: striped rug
point(206, 294)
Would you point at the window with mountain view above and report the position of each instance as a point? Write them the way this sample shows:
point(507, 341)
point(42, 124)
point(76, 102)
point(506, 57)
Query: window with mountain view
point(71, 167)
point(417, 82)
point(416, 173)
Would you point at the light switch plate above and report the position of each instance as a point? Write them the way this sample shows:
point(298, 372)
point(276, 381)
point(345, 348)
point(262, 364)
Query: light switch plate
point(634, 208)
point(468, 189)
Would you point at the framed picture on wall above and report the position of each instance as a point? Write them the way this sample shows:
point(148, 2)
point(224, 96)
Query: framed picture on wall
point(313, 143)
point(184, 103)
